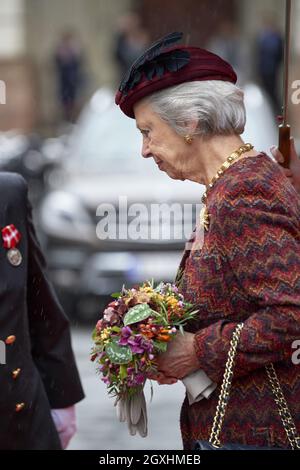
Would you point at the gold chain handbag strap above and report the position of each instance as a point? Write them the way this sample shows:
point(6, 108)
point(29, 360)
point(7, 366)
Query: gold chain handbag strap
point(225, 389)
point(283, 409)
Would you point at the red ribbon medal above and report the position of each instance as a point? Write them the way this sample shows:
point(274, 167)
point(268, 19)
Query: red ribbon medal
point(11, 238)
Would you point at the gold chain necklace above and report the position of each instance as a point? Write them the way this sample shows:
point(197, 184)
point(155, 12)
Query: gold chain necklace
point(204, 215)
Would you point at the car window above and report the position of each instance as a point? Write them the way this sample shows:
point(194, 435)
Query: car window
point(104, 142)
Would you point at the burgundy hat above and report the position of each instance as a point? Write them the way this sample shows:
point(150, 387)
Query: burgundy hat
point(162, 66)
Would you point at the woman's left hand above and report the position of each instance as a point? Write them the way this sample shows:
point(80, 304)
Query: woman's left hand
point(179, 360)
point(293, 172)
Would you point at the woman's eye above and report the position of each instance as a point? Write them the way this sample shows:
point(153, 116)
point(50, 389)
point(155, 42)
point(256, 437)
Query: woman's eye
point(145, 133)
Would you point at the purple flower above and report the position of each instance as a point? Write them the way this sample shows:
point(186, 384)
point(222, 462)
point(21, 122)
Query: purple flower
point(105, 380)
point(139, 379)
point(130, 383)
point(137, 343)
point(136, 380)
point(126, 333)
point(135, 346)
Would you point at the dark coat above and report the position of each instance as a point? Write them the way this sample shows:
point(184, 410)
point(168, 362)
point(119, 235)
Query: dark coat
point(40, 371)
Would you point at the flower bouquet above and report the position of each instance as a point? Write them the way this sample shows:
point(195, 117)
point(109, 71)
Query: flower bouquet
point(134, 329)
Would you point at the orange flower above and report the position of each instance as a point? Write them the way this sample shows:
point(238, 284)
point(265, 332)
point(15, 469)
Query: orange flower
point(148, 334)
point(164, 338)
point(146, 331)
point(164, 335)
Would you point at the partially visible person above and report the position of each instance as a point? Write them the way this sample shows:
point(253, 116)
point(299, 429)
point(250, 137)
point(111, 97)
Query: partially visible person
point(293, 173)
point(69, 69)
point(39, 380)
point(269, 59)
point(131, 40)
point(226, 42)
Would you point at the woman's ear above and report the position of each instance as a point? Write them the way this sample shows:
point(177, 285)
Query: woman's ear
point(191, 126)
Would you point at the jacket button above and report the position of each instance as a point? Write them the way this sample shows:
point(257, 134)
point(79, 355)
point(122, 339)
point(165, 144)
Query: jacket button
point(10, 339)
point(15, 373)
point(19, 406)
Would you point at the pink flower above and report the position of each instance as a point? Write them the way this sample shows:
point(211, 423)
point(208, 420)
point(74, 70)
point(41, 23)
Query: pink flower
point(99, 325)
point(110, 315)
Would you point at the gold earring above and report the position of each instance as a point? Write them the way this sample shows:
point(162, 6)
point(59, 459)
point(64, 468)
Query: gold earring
point(188, 138)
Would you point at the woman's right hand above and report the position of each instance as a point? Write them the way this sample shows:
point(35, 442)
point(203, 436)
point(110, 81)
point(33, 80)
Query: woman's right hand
point(161, 378)
point(293, 172)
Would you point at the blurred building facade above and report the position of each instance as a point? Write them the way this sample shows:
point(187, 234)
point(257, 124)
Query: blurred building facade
point(94, 22)
point(16, 70)
point(30, 30)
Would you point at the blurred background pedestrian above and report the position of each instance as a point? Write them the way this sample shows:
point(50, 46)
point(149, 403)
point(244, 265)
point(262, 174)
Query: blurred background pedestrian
point(131, 40)
point(69, 61)
point(269, 59)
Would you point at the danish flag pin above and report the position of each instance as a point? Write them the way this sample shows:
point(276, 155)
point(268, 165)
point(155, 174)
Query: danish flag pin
point(11, 237)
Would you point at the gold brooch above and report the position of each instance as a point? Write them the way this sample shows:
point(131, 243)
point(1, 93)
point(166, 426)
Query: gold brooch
point(204, 218)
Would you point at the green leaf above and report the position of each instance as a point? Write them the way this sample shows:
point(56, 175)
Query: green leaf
point(181, 329)
point(161, 317)
point(123, 371)
point(138, 313)
point(158, 287)
point(160, 346)
point(116, 329)
point(118, 354)
point(95, 333)
point(116, 295)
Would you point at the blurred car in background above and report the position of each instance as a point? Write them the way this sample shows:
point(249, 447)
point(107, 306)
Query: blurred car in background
point(23, 154)
point(101, 162)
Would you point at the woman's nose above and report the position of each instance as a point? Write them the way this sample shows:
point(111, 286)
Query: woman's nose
point(145, 150)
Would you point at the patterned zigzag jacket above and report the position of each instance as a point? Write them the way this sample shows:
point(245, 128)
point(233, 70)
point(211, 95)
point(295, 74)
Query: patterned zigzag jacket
point(248, 269)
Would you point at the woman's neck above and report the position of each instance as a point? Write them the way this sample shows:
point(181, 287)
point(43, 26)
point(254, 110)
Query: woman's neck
point(209, 155)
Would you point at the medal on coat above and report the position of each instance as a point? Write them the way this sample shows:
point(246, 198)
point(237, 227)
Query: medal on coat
point(11, 238)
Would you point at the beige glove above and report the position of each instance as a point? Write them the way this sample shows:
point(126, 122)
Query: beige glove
point(133, 410)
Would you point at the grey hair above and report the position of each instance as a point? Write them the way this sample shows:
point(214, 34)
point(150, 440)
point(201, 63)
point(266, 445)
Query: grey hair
point(218, 107)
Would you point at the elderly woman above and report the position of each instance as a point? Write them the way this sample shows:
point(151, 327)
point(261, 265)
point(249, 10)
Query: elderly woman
point(242, 265)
